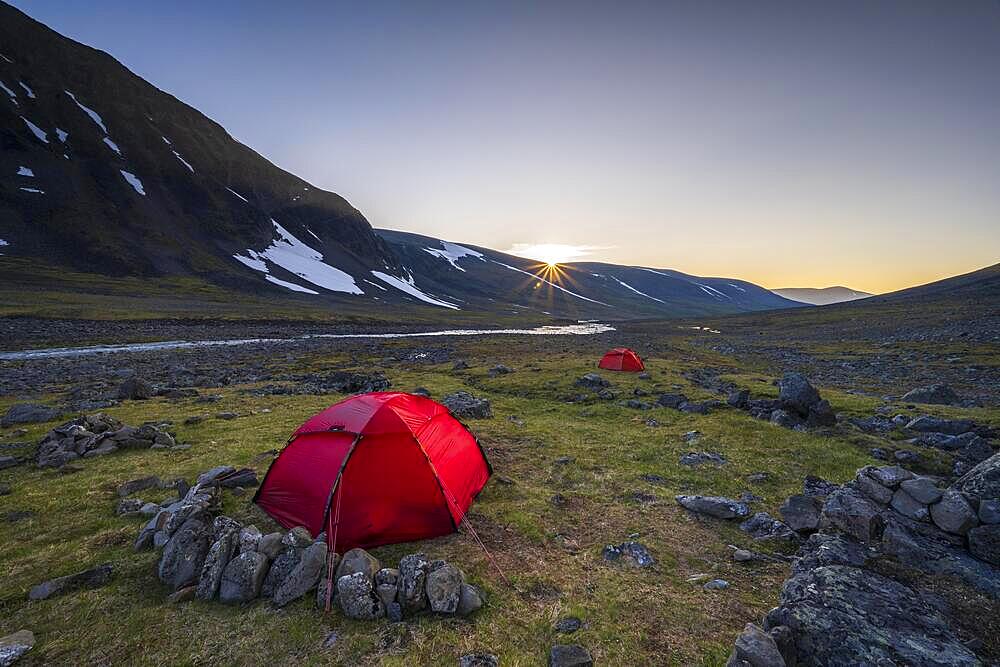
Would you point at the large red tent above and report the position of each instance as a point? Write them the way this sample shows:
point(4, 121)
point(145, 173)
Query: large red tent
point(377, 468)
point(621, 359)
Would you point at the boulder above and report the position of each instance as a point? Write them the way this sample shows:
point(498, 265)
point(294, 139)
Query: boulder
point(215, 564)
point(135, 388)
point(984, 543)
point(716, 506)
point(906, 505)
point(849, 511)
point(280, 568)
point(821, 414)
point(243, 577)
point(632, 554)
point(569, 655)
point(953, 514)
point(922, 490)
point(755, 648)
point(412, 578)
point(304, 577)
point(357, 599)
point(843, 615)
point(763, 526)
point(802, 512)
point(141, 484)
point(28, 413)
point(444, 588)
point(387, 585)
point(939, 394)
point(785, 418)
point(211, 475)
point(271, 545)
point(250, 537)
point(674, 401)
point(15, 645)
point(464, 405)
point(298, 538)
point(889, 476)
point(592, 380)
point(872, 489)
point(989, 511)
point(479, 660)
point(470, 600)
point(93, 578)
point(926, 424)
point(358, 560)
point(983, 481)
point(796, 394)
point(184, 554)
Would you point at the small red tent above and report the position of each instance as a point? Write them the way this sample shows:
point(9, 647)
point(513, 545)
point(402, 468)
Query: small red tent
point(621, 359)
point(375, 469)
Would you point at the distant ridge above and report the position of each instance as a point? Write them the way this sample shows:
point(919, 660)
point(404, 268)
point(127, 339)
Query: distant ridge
point(821, 296)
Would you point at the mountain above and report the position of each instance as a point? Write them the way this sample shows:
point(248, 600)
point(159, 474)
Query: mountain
point(821, 296)
point(104, 175)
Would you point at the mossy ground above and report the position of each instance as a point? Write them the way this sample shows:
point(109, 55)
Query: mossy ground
point(552, 554)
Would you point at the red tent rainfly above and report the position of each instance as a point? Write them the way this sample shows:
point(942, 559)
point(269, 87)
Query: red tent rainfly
point(374, 469)
point(621, 359)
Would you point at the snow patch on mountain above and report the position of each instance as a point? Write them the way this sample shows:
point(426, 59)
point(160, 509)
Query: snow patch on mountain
point(713, 292)
point(238, 195)
point(627, 286)
point(296, 257)
point(452, 252)
point(94, 116)
point(113, 146)
point(62, 134)
point(13, 95)
point(31, 93)
point(288, 285)
point(25, 171)
point(132, 180)
point(407, 285)
point(37, 131)
point(183, 161)
point(34, 190)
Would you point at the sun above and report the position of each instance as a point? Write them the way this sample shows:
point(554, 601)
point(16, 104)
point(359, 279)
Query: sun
point(551, 254)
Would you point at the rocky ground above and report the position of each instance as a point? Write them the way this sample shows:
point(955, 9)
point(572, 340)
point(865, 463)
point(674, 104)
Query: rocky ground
point(641, 519)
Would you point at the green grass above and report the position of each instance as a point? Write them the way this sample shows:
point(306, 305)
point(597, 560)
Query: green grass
point(551, 554)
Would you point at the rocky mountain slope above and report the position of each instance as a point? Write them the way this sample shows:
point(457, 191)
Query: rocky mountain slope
point(103, 174)
point(821, 296)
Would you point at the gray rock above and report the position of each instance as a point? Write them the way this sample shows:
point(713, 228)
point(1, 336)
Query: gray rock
point(939, 394)
point(249, 538)
point(850, 616)
point(28, 413)
point(716, 506)
point(14, 646)
point(141, 484)
point(479, 660)
point(325, 578)
point(444, 588)
point(989, 511)
point(716, 585)
point(698, 458)
point(568, 625)
point(357, 599)
point(821, 414)
point(784, 418)
point(872, 489)
point(830, 549)
point(927, 424)
point(304, 577)
point(983, 481)
point(592, 380)
point(129, 506)
point(849, 511)
point(763, 526)
point(394, 612)
point(93, 578)
point(796, 394)
point(136, 389)
point(464, 405)
point(906, 505)
point(412, 578)
point(184, 554)
point(922, 490)
point(215, 564)
point(298, 537)
point(243, 577)
point(569, 655)
point(889, 476)
point(212, 474)
point(470, 600)
point(953, 514)
point(282, 566)
point(358, 560)
point(984, 543)
point(756, 648)
point(738, 398)
point(185, 594)
point(271, 545)
point(802, 512)
point(633, 554)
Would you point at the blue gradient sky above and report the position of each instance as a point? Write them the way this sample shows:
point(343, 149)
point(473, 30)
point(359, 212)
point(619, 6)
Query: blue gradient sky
point(791, 144)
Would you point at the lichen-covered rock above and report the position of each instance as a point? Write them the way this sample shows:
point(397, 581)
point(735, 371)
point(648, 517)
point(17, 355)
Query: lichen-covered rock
point(921, 489)
point(271, 544)
point(444, 588)
point(280, 568)
point(935, 394)
point(755, 648)
point(184, 555)
point(716, 506)
point(953, 514)
point(412, 578)
point(849, 511)
point(243, 577)
point(14, 646)
point(358, 560)
point(215, 564)
point(843, 615)
point(304, 577)
point(470, 601)
point(763, 526)
point(906, 505)
point(801, 512)
point(797, 394)
point(984, 543)
point(632, 554)
point(357, 599)
point(298, 537)
point(464, 405)
point(983, 481)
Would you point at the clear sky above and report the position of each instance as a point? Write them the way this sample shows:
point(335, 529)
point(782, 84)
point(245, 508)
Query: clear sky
point(798, 143)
